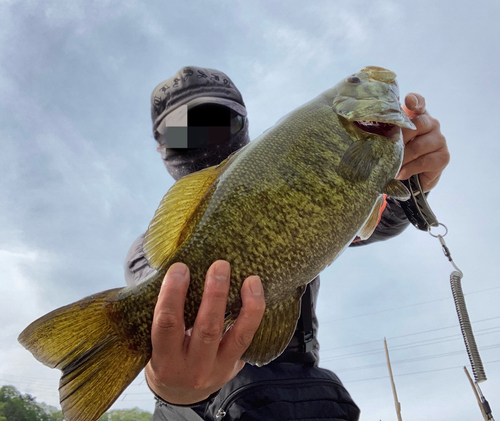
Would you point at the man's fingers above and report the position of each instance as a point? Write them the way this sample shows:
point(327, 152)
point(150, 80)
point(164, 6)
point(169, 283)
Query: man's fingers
point(423, 145)
point(207, 329)
point(167, 331)
point(239, 337)
point(414, 105)
point(186, 371)
point(429, 180)
point(424, 123)
point(429, 167)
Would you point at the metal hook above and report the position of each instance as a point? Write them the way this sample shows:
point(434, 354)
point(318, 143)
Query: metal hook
point(447, 252)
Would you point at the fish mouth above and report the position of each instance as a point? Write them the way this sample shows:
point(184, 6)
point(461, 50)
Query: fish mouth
point(375, 116)
point(377, 127)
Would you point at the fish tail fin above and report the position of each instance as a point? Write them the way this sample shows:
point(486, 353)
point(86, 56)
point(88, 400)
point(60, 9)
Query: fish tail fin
point(82, 341)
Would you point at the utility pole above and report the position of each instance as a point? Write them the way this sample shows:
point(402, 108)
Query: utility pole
point(483, 403)
point(396, 402)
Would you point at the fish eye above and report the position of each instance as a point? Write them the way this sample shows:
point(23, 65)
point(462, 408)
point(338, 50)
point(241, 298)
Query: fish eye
point(353, 79)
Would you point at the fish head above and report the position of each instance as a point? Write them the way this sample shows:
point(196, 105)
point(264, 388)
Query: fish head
point(369, 100)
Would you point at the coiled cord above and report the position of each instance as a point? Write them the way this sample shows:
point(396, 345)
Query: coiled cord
point(466, 327)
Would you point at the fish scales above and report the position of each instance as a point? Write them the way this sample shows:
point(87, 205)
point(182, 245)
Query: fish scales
point(283, 207)
point(243, 210)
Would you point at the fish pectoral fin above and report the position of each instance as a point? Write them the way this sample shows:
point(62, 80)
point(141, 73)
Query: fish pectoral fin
point(165, 231)
point(397, 189)
point(358, 161)
point(81, 341)
point(371, 223)
point(275, 331)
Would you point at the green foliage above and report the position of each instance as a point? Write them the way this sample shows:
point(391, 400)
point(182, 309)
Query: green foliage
point(15, 406)
point(134, 414)
point(2, 406)
point(55, 413)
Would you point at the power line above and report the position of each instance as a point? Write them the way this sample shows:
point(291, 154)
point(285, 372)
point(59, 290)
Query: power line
point(442, 328)
point(407, 306)
point(415, 372)
point(386, 310)
point(412, 345)
point(410, 334)
point(421, 358)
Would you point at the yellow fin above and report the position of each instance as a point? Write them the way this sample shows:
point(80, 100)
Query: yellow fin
point(175, 210)
point(81, 341)
point(275, 331)
point(371, 223)
point(397, 189)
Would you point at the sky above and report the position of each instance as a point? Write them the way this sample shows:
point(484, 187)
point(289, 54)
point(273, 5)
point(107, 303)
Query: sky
point(81, 178)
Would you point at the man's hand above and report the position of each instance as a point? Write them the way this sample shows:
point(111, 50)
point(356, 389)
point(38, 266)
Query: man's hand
point(426, 152)
point(188, 366)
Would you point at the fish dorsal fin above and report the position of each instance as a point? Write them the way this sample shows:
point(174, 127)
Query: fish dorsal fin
point(275, 331)
point(371, 223)
point(175, 210)
point(358, 161)
point(397, 189)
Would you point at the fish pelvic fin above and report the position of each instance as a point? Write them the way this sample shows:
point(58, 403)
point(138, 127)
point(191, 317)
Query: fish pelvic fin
point(165, 232)
point(82, 341)
point(371, 223)
point(358, 161)
point(275, 331)
point(397, 189)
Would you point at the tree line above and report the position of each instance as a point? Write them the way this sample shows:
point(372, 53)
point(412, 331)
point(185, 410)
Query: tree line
point(15, 406)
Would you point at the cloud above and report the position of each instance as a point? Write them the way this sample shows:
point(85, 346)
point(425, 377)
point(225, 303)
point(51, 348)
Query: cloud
point(20, 294)
point(81, 177)
point(21, 303)
point(305, 51)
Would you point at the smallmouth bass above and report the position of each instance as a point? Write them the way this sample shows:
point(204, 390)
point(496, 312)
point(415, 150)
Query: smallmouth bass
point(283, 207)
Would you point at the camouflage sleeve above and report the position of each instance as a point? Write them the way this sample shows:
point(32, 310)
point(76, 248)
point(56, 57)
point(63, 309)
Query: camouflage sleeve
point(392, 223)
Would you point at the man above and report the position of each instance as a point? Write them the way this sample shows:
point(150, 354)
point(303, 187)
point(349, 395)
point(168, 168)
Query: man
point(199, 118)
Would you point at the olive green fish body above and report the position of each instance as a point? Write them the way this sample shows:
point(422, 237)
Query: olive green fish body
point(283, 207)
point(281, 210)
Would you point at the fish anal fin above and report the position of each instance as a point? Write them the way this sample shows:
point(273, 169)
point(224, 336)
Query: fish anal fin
point(176, 208)
point(96, 364)
point(373, 220)
point(397, 189)
point(358, 161)
point(275, 331)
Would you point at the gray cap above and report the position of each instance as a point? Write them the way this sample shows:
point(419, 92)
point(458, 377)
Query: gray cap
point(191, 84)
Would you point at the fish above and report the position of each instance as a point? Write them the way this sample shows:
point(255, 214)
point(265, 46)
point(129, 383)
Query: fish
point(283, 207)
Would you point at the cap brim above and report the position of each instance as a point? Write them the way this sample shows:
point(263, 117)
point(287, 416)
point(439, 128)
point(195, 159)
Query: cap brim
point(236, 106)
point(178, 117)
